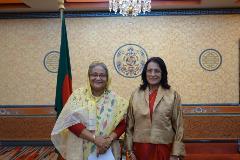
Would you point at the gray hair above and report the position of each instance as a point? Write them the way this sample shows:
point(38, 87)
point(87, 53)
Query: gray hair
point(96, 63)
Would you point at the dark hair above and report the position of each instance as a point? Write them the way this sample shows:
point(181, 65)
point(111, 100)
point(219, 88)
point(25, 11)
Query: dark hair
point(164, 73)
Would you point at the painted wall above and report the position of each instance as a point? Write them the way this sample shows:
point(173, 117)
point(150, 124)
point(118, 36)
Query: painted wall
point(179, 40)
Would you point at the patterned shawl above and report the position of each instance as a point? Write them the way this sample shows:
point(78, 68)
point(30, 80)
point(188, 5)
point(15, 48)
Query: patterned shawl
point(99, 114)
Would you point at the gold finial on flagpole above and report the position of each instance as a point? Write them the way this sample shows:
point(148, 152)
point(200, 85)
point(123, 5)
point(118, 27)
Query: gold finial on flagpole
point(61, 4)
point(61, 7)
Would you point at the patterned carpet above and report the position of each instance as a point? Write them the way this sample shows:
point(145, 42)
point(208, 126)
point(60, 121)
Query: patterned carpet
point(28, 153)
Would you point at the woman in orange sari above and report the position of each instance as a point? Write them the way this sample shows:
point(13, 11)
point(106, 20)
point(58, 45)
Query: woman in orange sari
point(154, 119)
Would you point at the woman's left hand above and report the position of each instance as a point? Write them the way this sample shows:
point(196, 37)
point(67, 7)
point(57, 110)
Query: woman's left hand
point(109, 141)
point(174, 158)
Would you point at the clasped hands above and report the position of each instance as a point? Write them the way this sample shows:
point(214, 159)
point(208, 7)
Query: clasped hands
point(103, 143)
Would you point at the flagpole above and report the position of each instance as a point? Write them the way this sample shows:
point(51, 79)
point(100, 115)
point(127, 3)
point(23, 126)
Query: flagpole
point(61, 7)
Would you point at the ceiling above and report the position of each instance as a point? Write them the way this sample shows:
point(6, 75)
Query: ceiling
point(102, 5)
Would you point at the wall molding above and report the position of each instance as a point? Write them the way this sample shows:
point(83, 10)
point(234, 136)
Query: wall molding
point(224, 109)
point(25, 143)
point(49, 142)
point(78, 14)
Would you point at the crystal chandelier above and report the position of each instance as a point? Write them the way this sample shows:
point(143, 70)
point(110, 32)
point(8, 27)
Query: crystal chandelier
point(130, 7)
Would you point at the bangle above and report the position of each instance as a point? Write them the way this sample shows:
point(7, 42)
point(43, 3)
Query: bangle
point(130, 154)
point(94, 137)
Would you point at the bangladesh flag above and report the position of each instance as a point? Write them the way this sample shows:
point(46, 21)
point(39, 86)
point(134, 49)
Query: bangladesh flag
point(64, 77)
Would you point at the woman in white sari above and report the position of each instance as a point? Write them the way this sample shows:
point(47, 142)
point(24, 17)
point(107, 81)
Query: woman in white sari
point(92, 119)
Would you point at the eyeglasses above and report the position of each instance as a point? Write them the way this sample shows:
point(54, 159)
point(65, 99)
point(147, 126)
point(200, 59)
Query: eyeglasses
point(101, 76)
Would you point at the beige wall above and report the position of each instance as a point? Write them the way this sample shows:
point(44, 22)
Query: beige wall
point(179, 40)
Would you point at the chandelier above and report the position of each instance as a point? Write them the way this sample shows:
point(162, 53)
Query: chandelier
point(130, 7)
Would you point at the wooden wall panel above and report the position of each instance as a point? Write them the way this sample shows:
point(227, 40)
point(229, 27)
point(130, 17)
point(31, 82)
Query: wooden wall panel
point(212, 127)
point(26, 128)
point(201, 122)
point(212, 151)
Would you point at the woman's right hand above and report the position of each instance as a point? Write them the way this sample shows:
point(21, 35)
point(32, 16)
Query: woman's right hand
point(100, 141)
point(102, 144)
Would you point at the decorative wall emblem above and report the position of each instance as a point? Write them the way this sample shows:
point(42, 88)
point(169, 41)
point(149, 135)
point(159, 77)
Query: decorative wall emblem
point(129, 60)
point(210, 59)
point(51, 61)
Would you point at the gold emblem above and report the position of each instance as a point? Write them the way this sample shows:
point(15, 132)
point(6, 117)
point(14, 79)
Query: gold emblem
point(129, 60)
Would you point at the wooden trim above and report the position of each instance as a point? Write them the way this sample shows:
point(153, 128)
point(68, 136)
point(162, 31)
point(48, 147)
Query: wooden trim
point(211, 109)
point(27, 110)
point(26, 143)
point(76, 14)
point(13, 5)
point(188, 110)
point(10, 1)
